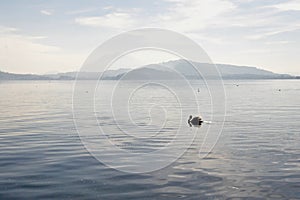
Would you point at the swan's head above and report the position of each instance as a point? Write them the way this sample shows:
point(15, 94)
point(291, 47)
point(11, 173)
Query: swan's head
point(190, 117)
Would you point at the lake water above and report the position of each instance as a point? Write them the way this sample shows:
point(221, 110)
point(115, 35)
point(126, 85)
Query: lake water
point(256, 156)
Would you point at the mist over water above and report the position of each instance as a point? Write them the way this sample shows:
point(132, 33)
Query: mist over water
point(257, 155)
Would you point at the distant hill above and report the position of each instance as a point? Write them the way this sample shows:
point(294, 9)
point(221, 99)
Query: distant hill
point(108, 75)
point(226, 71)
point(11, 76)
point(176, 69)
point(181, 68)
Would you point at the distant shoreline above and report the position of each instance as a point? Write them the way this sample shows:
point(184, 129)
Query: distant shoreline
point(137, 79)
point(171, 70)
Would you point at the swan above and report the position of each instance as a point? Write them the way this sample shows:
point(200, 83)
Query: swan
point(195, 120)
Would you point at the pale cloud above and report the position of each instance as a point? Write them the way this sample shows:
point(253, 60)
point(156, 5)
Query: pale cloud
point(108, 8)
point(10, 35)
point(111, 20)
point(81, 11)
point(22, 53)
point(290, 5)
point(46, 12)
point(183, 16)
point(278, 42)
point(194, 15)
point(4, 29)
point(274, 31)
point(207, 38)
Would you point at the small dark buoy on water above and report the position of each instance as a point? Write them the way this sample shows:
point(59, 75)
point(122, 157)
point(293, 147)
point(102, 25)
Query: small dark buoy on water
point(279, 90)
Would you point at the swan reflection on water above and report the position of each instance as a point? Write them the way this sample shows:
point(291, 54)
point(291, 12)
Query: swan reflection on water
point(195, 121)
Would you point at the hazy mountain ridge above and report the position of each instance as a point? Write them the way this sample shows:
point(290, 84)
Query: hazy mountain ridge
point(176, 69)
point(12, 76)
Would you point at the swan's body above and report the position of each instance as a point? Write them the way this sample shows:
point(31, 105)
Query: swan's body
point(196, 121)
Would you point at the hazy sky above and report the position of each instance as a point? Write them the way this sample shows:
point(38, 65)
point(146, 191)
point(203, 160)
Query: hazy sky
point(48, 36)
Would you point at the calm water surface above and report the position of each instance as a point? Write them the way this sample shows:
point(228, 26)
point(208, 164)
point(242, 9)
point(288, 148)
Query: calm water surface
point(257, 155)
